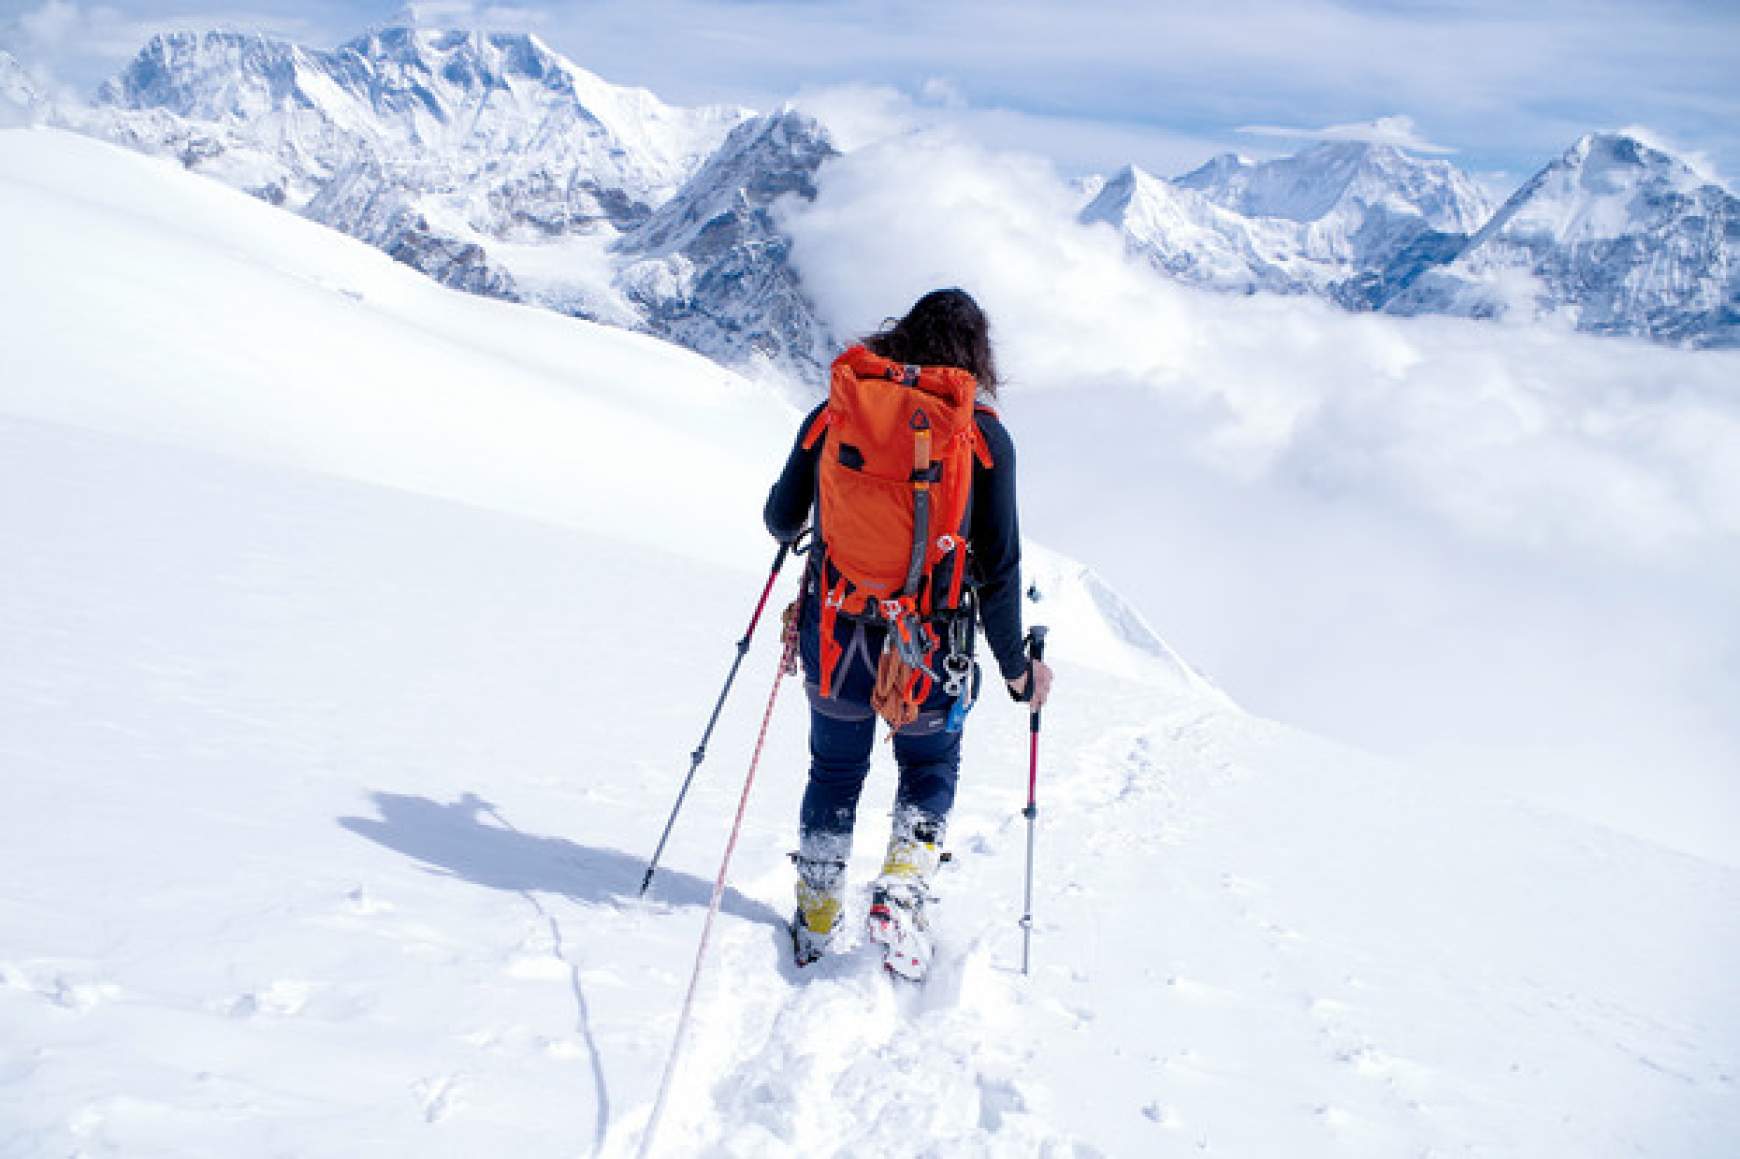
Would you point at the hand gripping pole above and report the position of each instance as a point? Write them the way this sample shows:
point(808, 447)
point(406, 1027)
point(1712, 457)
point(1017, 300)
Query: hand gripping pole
point(1035, 649)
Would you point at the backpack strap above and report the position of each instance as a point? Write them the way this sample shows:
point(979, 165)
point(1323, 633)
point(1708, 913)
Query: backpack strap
point(819, 427)
point(921, 479)
point(982, 450)
point(831, 651)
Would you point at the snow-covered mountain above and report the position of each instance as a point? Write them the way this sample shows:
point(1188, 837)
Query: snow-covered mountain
point(498, 166)
point(1184, 234)
point(370, 202)
point(1347, 220)
point(1341, 185)
point(1616, 234)
point(711, 269)
point(537, 142)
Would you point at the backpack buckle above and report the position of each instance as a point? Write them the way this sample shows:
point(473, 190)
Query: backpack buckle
point(956, 669)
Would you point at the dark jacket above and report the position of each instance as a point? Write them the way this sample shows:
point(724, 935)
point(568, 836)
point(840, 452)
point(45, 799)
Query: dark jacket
point(993, 532)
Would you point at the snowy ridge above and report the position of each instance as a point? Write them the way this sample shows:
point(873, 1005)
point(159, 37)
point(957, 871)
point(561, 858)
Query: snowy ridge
point(1620, 236)
point(469, 108)
point(1104, 630)
point(1340, 184)
point(1184, 234)
point(1337, 219)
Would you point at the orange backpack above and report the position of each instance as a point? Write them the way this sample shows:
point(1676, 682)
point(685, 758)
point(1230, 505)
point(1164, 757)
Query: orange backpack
point(894, 483)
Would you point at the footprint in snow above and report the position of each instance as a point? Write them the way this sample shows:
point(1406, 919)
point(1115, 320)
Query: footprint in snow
point(63, 990)
point(284, 998)
point(439, 1096)
point(365, 904)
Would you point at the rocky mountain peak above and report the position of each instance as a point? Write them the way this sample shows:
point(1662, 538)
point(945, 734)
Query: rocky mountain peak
point(1119, 191)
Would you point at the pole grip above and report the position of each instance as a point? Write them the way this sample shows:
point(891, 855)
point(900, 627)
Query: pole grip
point(700, 753)
point(1035, 649)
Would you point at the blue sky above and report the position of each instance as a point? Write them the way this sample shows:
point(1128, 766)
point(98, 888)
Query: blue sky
point(1092, 84)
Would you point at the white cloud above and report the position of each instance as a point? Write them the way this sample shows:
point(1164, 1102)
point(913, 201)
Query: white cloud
point(1397, 131)
point(861, 115)
point(1508, 550)
point(467, 15)
point(48, 26)
point(1701, 162)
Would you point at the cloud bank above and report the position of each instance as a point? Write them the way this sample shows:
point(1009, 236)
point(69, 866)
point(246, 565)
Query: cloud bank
point(1397, 131)
point(1505, 552)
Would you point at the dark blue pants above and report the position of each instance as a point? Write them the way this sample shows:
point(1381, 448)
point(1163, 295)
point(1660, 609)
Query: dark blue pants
point(929, 760)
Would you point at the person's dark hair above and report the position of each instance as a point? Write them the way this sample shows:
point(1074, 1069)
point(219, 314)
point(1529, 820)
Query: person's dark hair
point(943, 328)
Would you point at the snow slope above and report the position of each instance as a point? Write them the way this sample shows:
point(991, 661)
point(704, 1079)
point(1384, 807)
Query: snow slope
point(350, 655)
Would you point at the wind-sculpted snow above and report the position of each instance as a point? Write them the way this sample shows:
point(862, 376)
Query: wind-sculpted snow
point(1617, 236)
point(1104, 629)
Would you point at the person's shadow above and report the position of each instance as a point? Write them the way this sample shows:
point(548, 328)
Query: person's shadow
point(456, 840)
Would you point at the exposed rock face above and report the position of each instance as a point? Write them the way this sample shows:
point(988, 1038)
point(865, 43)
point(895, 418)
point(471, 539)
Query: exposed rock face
point(711, 268)
point(477, 158)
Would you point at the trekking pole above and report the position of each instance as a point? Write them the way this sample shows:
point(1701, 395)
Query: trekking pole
point(700, 753)
point(1036, 649)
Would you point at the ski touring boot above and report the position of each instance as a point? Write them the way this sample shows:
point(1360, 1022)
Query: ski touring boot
point(897, 920)
point(821, 890)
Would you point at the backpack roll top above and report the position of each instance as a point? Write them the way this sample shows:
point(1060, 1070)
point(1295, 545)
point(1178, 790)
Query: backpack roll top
point(894, 483)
